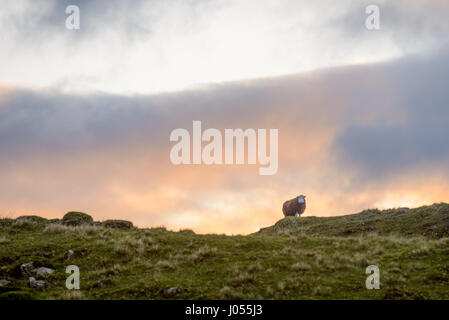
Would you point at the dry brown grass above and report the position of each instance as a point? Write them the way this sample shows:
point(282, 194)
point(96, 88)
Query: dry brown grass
point(230, 293)
point(122, 250)
point(22, 222)
point(107, 272)
point(73, 295)
point(165, 265)
point(3, 239)
point(255, 267)
point(322, 291)
point(55, 228)
point(201, 254)
point(301, 266)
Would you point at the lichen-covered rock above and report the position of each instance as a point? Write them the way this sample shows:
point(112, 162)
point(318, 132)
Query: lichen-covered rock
point(74, 218)
point(32, 218)
point(28, 221)
point(33, 283)
point(69, 253)
point(119, 224)
point(287, 223)
point(172, 291)
point(43, 271)
point(26, 269)
point(4, 283)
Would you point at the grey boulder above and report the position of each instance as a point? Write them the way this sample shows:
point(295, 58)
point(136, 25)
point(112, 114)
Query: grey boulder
point(33, 283)
point(4, 283)
point(43, 271)
point(172, 291)
point(26, 269)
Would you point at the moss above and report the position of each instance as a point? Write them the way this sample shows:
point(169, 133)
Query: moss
point(17, 295)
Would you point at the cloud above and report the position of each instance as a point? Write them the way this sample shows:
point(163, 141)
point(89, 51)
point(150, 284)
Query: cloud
point(412, 132)
point(159, 46)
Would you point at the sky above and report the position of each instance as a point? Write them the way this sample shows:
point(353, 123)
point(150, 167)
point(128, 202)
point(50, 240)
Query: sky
point(86, 115)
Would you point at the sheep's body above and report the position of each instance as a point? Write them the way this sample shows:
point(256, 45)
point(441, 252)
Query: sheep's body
point(294, 206)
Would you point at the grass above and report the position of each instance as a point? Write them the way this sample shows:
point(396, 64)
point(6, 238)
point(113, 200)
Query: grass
point(428, 221)
point(297, 258)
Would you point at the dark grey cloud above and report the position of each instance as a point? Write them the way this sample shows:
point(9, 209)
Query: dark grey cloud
point(411, 26)
point(42, 22)
point(131, 20)
point(414, 133)
point(31, 121)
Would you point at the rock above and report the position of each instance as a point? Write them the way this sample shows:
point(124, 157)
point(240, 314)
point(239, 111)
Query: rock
point(172, 291)
point(74, 218)
point(43, 271)
point(72, 222)
point(287, 223)
point(4, 283)
point(33, 283)
point(24, 221)
point(119, 224)
point(26, 269)
point(70, 253)
point(32, 219)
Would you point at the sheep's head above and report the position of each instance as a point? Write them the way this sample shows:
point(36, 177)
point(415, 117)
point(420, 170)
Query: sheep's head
point(301, 199)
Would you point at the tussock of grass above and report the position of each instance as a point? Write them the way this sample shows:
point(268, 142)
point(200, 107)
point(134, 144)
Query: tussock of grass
point(201, 254)
point(113, 270)
point(122, 250)
point(240, 278)
point(322, 291)
point(256, 267)
point(165, 264)
point(301, 266)
point(3, 240)
point(231, 293)
point(73, 295)
point(55, 228)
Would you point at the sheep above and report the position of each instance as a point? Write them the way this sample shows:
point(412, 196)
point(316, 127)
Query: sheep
point(295, 206)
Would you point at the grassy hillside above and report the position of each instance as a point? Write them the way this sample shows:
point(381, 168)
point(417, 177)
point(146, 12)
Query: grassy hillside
point(297, 258)
point(429, 221)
